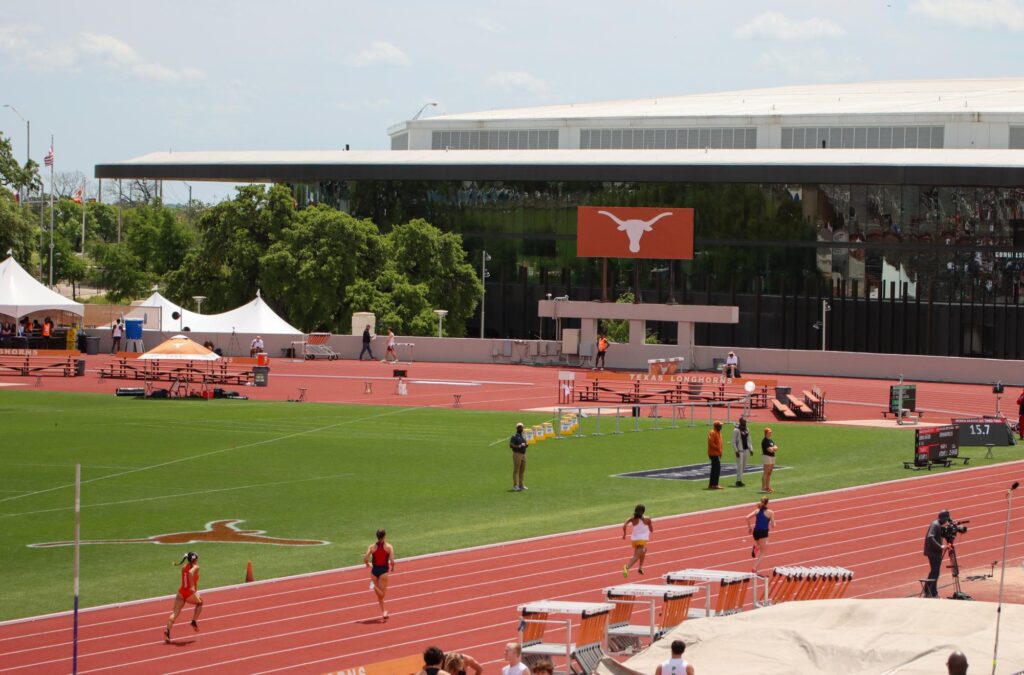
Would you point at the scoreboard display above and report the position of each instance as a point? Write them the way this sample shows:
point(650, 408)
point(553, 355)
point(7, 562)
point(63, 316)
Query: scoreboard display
point(936, 445)
point(979, 431)
point(905, 393)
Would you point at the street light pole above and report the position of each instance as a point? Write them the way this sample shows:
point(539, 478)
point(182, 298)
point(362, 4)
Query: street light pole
point(425, 106)
point(28, 143)
point(483, 282)
point(825, 309)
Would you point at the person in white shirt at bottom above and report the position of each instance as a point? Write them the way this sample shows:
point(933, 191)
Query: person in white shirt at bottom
point(514, 654)
point(675, 665)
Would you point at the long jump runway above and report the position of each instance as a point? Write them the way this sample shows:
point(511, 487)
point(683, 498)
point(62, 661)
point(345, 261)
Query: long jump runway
point(466, 600)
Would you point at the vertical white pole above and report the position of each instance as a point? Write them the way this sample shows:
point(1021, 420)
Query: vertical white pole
point(83, 216)
point(483, 295)
point(1002, 574)
point(51, 213)
point(78, 511)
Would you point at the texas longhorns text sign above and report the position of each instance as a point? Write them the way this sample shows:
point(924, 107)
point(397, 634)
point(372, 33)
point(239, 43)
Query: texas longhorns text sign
point(630, 232)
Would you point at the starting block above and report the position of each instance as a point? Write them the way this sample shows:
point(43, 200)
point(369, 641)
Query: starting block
point(456, 400)
point(367, 387)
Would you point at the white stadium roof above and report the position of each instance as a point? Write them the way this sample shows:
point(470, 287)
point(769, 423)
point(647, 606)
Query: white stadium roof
point(913, 97)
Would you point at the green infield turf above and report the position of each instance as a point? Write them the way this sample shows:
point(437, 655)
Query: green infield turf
point(437, 479)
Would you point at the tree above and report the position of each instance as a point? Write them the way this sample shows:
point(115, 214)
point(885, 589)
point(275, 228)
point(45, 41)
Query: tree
point(307, 270)
point(426, 255)
point(396, 302)
point(18, 231)
point(12, 173)
point(156, 236)
point(120, 272)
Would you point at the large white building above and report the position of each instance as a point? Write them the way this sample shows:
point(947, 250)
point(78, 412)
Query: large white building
point(930, 114)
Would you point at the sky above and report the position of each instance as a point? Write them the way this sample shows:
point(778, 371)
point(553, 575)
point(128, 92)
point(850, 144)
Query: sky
point(114, 80)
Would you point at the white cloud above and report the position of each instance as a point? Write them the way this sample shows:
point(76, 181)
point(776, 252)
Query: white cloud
point(380, 52)
point(807, 66)
point(974, 13)
point(777, 26)
point(517, 80)
point(24, 47)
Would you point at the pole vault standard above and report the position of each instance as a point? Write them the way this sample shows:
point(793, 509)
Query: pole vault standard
point(78, 521)
point(1002, 574)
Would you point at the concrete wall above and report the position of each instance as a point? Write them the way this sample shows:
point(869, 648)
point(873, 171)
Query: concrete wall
point(634, 357)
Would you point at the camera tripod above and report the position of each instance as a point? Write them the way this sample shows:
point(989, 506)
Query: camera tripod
point(958, 593)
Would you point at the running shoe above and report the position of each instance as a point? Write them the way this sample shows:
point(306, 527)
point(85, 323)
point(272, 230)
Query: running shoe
point(385, 617)
point(625, 571)
point(523, 487)
point(753, 552)
point(195, 626)
point(640, 570)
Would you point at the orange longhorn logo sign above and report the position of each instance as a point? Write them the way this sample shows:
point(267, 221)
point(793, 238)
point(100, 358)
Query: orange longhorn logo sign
point(216, 532)
point(620, 232)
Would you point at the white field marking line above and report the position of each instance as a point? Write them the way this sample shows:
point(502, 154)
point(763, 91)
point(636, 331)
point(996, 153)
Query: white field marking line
point(177, 496)
point(388, 378)
point(591, 562)
point(244, 446)
point(719, 510)
point(67, 466)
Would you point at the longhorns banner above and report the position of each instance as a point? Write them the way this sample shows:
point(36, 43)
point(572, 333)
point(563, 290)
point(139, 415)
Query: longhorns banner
point(630, 232)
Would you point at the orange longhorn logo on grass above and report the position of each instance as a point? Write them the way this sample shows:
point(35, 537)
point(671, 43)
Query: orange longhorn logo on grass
point(620, 232)
point(216, 532)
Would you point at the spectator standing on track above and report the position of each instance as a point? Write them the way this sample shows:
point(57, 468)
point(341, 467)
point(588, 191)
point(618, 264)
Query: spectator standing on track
point(1020, 418)
point(382, 554)
point(934, 548)
point(768, 450)
point(642, 529)
point(513, 656)
point(188, 593)
point(390, 354)
point(715, 455)
point(518, 444)
point(602, 349)
point(742, 447)
point(676, 665)
point(456, 664)
point(759, 521)
point(366, 343)
point(116, 333)
point(432, 657)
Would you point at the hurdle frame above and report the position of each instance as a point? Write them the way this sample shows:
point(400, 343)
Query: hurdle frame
point(587, 411)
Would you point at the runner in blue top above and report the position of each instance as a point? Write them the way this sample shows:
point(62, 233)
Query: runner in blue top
point(759, 521)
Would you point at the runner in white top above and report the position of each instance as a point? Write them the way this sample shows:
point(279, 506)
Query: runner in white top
point(391, 354)
point(675, 665)
point(642, 529)
point(513, 656)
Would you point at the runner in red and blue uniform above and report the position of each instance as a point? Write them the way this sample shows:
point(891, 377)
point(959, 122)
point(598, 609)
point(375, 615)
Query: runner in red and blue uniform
point(382, 555)
point(188, 592)
point(763, 520)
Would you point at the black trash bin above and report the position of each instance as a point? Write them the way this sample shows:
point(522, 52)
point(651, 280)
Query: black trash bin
point(92, 345)
point(261, 375)
point(79, 367)
point(80, 342)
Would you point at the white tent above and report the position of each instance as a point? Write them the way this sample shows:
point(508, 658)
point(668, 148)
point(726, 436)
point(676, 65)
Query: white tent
point(21, 294)
point(255, 318)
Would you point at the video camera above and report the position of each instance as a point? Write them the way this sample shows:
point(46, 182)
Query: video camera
point(951, 528)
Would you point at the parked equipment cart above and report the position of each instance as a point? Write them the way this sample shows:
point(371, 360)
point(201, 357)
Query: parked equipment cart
point(316, 347)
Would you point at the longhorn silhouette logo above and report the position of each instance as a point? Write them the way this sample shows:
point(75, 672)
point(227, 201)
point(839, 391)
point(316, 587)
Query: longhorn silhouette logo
point(635, 228)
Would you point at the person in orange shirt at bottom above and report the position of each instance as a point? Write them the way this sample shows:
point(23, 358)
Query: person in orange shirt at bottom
point(715, 455)
point(187, 593)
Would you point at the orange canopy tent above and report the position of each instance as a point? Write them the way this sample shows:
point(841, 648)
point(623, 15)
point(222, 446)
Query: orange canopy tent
point(180, 348)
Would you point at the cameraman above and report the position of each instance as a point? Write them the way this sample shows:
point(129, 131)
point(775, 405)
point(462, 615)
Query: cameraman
point(934, 547)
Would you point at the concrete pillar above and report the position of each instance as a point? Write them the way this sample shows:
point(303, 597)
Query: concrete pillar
point(588, 331)
point(684, 338)
point(637, 331)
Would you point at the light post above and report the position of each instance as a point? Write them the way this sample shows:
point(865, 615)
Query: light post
point(823, 324)
point(28, 141)
point(425, 106)
point(484, 257)
point(199, 303)
point(441, 314)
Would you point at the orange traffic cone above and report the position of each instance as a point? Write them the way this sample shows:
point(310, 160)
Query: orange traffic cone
point(248, 572)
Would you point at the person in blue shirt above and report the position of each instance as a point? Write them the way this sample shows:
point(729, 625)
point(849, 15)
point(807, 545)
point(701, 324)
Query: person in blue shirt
point(759, 521)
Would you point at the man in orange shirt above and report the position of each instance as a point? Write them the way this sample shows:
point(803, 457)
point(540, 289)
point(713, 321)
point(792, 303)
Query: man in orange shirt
point(715, 455)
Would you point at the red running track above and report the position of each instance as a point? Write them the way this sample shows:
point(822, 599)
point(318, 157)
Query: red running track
point(466, 600)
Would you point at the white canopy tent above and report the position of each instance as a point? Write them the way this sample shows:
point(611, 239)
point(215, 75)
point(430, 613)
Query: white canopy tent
point(21, 294)
point(254, 318)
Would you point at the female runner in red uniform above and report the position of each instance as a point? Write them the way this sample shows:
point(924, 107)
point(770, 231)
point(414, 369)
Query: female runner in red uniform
point(383, 556)
point(187, 593)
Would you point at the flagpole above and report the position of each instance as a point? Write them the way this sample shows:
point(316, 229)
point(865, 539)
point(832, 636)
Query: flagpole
point(52, 162)
point(83, 216)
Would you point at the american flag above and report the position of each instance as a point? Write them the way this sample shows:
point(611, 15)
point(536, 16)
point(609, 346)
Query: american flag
point(48, 160)
point(77, 196)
